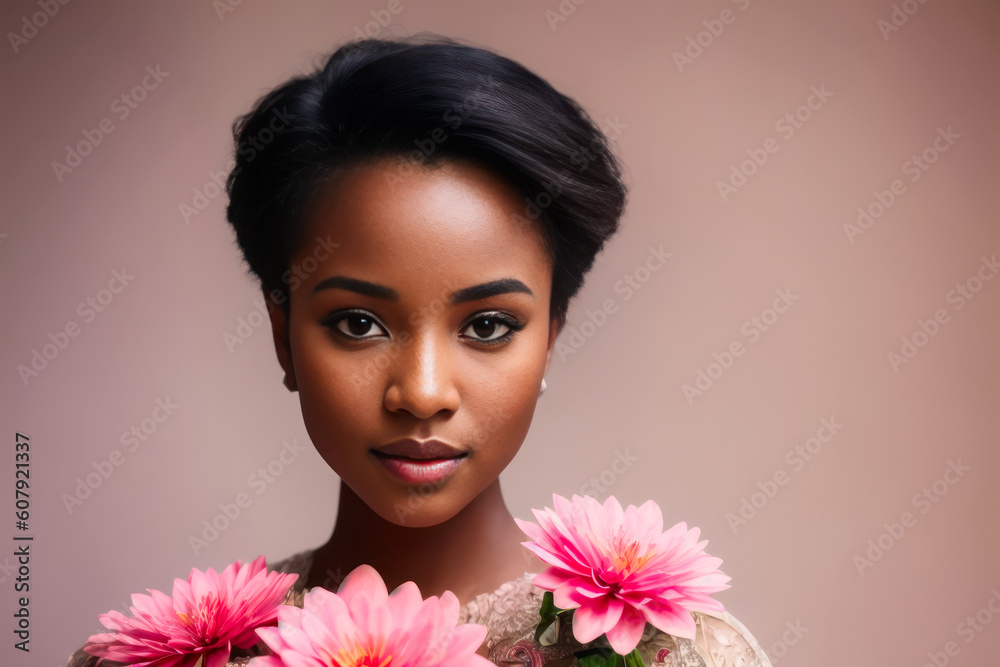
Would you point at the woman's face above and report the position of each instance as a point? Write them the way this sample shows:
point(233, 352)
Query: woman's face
point(421, 311)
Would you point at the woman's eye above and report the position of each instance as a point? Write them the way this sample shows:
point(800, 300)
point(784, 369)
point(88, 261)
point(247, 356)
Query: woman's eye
point(492, 328)
point(356, 326)
point(489, 328)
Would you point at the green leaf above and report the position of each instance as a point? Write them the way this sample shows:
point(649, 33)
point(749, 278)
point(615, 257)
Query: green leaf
point(547, 612)
point(634, 659)
point(599, 657)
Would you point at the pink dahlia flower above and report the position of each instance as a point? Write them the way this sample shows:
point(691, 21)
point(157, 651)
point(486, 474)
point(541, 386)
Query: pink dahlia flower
point(617, 570)
point(208, 616)
point(363, 626)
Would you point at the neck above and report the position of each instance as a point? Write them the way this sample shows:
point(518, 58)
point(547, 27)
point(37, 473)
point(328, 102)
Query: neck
point(474, 552)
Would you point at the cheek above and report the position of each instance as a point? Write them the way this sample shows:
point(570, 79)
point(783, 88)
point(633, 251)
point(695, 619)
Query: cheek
point(504, 410)
point(338, 398)
point(333, 400)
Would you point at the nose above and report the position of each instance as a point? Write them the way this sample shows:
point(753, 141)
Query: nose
point(421, 378)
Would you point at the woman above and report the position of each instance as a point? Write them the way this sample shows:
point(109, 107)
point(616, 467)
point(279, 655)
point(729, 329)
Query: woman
point(419, 214)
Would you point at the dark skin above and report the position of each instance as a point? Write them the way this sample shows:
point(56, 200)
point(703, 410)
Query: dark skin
point(480, 546)
point(371, 368)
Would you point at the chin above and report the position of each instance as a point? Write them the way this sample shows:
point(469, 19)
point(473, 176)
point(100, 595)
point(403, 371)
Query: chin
point(417, 511)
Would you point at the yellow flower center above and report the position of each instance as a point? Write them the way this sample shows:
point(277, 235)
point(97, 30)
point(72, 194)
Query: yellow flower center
point(363, 656)
point(626, 554)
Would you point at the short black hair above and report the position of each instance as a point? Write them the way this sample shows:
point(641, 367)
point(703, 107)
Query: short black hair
point(423, 98)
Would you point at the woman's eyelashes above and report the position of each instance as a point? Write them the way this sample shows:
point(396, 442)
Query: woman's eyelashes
point(488, 325)
point(487, 328)
point(353, 324)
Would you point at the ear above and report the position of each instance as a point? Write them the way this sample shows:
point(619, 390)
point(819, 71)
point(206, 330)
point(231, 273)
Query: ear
point(279, 331)
point(554, 330)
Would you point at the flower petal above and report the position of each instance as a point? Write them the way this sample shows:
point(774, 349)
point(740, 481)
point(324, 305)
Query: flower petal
point(627, 632)
point(670, 618)
point(593, 620)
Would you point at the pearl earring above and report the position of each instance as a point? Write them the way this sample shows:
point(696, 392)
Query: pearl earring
point(543, 387)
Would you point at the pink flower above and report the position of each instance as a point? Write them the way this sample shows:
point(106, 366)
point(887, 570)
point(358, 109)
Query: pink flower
point(617, 570)
point(208, 615)
point(363, 626)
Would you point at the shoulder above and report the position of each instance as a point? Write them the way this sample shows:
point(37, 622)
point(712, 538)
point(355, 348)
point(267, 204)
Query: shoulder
point(720, 640)
point(81, 658)
point(298, 563)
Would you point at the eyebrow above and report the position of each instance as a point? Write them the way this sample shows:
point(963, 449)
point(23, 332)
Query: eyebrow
point(473, 293)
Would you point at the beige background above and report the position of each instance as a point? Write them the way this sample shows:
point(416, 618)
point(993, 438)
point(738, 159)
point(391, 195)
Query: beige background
point(619, 395)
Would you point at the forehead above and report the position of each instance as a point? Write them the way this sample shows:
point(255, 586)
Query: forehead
point(394, 218)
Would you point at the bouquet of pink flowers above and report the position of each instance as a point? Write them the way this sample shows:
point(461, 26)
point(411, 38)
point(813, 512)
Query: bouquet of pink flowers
point(206, 617)
point(611, 572)
point(210, 615)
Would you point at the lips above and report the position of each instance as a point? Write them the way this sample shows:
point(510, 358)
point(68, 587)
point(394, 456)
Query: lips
point(415, 462)
point(421, 451)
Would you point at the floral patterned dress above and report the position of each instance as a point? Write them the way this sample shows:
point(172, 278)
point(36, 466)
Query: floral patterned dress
point(511, 615)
